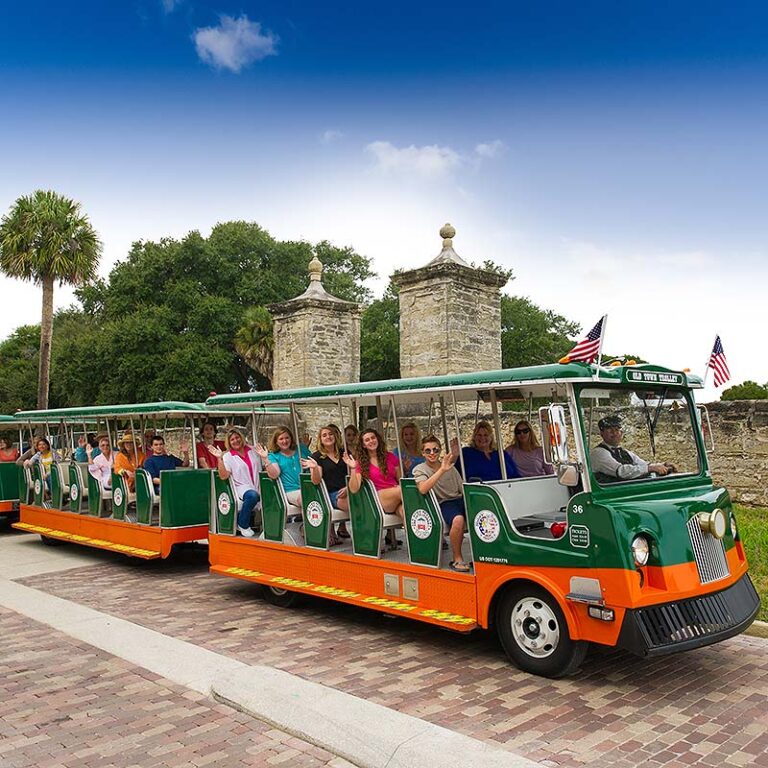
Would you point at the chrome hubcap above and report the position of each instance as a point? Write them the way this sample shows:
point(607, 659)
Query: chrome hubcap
point(535, 627)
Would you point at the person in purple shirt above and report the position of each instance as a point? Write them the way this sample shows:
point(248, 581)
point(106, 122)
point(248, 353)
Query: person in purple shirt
point(527, 453)
point(160, 460)
point(481, 459)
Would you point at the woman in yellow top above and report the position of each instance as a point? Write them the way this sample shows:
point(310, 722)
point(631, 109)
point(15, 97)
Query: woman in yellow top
point(45, 456)
point(128, 459)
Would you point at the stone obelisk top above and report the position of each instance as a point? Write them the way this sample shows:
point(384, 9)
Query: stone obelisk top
point(317, 337)
point(450, 315)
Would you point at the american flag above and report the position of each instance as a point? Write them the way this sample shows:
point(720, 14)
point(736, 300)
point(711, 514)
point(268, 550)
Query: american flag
point(718, 363)
point(589, 347)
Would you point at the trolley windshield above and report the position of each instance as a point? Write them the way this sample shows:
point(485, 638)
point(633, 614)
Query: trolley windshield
point(635, 435)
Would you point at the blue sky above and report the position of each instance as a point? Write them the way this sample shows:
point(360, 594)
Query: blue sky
point(614, 157)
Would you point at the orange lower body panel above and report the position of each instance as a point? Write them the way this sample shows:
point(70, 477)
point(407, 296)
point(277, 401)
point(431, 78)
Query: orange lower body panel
point(144, 541)
point(6, 507)
point(442, 597)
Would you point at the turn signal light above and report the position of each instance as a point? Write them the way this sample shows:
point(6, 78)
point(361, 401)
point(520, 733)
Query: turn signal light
point(598, 612)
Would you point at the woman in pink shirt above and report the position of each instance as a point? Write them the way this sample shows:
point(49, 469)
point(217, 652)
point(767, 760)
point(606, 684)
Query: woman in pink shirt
point(527, 453)
point(372, 461)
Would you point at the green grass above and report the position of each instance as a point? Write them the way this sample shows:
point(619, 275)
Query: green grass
point(753, 527)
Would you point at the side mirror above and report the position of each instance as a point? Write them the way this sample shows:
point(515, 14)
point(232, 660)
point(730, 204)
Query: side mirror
point(568, 475)
point(554, 431)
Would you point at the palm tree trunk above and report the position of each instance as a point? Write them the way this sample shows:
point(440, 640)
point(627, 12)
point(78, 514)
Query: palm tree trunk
point(46, 332)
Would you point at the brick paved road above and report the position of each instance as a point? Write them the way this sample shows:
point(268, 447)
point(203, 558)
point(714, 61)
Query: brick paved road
point(705, 707)
point(66, 704)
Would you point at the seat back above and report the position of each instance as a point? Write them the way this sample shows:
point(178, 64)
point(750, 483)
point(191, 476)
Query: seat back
point(96, 496)
point(368, 520)
point(11, 488)
point(119, 496)
point(145, 497)
point(224, 505)
point(26, 485)
point(78, 489)
point(317, 512)
point(59, 484)
point(274, 507)
point(38, 484)
point(424, 527)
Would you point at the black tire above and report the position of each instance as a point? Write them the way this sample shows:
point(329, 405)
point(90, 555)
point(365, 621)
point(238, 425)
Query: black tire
point(49, 542)
point(278, 596)
point(534, 633)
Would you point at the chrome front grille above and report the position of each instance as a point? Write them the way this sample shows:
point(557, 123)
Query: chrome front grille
point(708, 552)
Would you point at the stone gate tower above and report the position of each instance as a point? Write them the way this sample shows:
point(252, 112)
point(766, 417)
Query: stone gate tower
point(317, 337)
point(450, 315)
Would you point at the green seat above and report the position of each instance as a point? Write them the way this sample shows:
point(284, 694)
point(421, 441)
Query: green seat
point(121, 497)
point(318, 512)
point(185, 500)
point(97, 496)
point(78, 489)
point(424, 527)
point(368, 520)
point(26, 485)
point(10, 482)
point(224, 506)
point(146, 498)
point(59, 484)
point(38, 484)
point(275, 509)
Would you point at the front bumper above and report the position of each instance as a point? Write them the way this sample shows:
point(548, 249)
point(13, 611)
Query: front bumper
point(684, 624)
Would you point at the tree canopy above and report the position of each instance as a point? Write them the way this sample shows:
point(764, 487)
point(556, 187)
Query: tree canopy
point(748, 390)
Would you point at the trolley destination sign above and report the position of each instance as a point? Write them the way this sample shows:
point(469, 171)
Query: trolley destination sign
point(639, 376)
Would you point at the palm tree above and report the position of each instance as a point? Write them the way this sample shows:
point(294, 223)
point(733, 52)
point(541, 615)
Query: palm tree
point(45, 238)
point(255, 343)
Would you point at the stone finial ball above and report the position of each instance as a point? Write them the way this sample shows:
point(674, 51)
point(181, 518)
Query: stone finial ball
point(315, 268)
point(447, 231)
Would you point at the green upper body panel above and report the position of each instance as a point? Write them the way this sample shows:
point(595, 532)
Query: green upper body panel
point(102, 411)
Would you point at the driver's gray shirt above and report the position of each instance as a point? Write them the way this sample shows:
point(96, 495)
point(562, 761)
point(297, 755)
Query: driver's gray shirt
point(603, 462)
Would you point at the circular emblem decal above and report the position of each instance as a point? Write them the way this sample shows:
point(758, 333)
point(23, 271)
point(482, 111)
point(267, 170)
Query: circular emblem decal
point(38, 487)
point(117, 497)
point(314, 514)
point(223, 503)
point(421, 524)
point(487, 526)
point(73, 492)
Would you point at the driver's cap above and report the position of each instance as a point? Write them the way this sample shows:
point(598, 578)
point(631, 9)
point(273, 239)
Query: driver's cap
point(609, 421)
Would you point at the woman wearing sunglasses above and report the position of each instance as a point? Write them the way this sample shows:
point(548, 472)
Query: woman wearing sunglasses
point(527, 452)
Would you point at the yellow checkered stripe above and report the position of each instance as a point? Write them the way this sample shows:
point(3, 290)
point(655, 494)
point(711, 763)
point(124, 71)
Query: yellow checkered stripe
point(91, 542)
point(381, 602)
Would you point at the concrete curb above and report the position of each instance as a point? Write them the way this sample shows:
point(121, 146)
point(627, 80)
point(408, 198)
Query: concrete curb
point(757, 629)
point(366, 734)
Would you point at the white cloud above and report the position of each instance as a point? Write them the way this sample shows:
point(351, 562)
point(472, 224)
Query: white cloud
point(427, 161)
point(490, 149)
point(235, 43)
point(169, 6)
point(331, 135)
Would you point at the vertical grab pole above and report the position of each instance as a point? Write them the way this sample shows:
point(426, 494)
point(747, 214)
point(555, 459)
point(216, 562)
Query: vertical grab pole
point(254, 435)
point(397, 432)
point(192, 446)
point(458, 434)
point(429, 417)
point(497, 427)
point(296, 432)
point(445, 424)
point(379, 422)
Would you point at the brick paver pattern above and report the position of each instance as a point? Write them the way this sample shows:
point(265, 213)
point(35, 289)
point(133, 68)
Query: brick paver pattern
point(707, 707)
point(66, 704)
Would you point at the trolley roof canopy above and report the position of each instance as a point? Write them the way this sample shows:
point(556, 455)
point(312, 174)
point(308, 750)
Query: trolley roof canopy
point(170, 409)
point(509, 384)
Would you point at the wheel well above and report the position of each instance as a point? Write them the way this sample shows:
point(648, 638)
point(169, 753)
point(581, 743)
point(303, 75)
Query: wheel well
point(500, 592)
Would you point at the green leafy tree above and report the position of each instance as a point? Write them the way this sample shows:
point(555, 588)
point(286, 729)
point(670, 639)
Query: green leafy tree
point(46, 239)
point(748, 390)
point(19, 366)
point(531, 335)
point(255, 342)
point(380, 338)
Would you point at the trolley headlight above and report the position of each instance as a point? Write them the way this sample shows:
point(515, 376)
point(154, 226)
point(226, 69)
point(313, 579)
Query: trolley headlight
point(714, 522)
point(641, 549)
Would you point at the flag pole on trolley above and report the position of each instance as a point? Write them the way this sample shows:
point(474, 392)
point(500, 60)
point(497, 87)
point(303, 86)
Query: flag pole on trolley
point(590, 347)
point(718, 364)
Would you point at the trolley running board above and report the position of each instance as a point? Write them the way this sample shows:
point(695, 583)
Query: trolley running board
point(145, 554)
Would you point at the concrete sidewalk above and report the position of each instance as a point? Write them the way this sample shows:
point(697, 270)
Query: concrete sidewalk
point(364, 733)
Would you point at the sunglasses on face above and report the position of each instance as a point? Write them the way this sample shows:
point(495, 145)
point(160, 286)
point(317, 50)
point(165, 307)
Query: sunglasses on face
point(430, 450)
point(522, 431)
